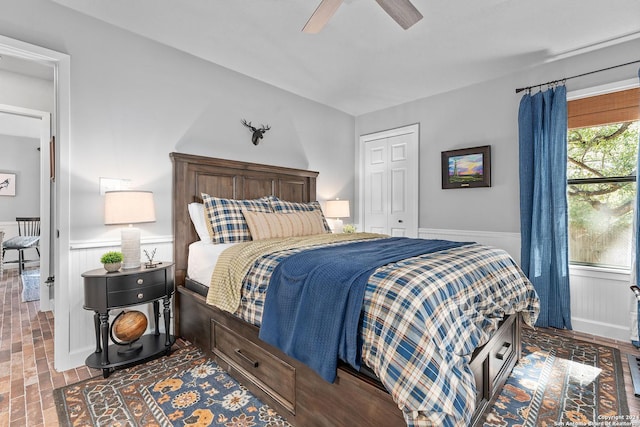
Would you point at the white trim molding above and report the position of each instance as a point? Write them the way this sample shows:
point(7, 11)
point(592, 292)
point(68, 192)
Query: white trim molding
point(92, 244)
point(510, 242)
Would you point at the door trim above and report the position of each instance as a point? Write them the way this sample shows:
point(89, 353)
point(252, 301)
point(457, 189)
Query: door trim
point(60, 128)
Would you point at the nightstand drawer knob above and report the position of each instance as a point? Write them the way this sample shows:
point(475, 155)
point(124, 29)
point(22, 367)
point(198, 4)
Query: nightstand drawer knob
point(140, 295)
point(140, 281)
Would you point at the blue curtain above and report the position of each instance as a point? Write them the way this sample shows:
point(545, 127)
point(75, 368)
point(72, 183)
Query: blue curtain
point(635, 274)
point(542, 122)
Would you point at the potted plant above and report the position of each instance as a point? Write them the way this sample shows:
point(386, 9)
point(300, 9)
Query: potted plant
point(112, 261)
point(349, 229)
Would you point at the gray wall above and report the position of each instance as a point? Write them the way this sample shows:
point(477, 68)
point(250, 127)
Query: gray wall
point(486, 114)
point(20, 155)
point(133, 101)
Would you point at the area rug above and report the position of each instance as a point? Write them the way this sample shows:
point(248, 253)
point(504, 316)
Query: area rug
point(185, 389)
point(30, 285)
point(560, 381)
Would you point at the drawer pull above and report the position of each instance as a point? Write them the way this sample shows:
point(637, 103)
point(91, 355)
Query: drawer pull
point(140, 295)
point(503, 351)
point(140, 281)
point(253, 363)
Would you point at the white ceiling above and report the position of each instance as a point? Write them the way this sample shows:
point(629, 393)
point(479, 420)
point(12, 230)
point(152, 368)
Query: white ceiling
point(362, 60)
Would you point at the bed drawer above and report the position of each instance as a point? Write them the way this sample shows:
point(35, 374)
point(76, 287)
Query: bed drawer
point(501, 353)
point(274, 376)
point(479, 369)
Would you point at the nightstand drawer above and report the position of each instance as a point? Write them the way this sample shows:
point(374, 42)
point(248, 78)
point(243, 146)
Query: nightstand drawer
point(135, 295)
point(135, 281)
point(276, 377)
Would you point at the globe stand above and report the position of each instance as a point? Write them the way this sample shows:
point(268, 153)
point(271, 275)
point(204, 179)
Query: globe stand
point(129, 347)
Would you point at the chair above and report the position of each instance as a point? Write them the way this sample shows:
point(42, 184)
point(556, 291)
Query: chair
point(28, 237)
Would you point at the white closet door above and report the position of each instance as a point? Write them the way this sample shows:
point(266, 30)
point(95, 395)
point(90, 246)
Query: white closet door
point(390, 181)
point(376, 189)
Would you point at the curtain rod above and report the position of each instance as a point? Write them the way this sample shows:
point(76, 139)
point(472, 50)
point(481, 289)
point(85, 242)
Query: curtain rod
point(573, 77)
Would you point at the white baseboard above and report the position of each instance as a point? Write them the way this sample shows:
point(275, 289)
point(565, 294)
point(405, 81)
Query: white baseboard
point(606, 330)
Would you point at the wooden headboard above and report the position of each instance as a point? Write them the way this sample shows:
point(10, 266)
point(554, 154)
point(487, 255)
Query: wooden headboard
point(194, 175)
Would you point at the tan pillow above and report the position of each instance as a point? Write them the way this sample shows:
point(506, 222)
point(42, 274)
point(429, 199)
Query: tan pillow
point(264, 225)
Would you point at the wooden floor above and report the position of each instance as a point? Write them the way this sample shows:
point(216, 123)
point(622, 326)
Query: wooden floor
point(27, 377)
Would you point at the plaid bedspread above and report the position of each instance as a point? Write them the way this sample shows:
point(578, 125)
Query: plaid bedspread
point(422, 319)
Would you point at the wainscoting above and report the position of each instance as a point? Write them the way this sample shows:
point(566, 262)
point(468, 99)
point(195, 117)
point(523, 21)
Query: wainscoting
point(600, 298)
point(601, 302)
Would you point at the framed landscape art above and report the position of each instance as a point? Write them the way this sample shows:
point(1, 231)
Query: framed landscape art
point(467, 167)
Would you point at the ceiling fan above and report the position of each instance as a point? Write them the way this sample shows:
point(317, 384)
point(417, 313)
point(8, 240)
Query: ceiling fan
point(402, 11)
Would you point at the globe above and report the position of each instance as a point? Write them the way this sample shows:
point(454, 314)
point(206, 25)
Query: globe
point(129, 326)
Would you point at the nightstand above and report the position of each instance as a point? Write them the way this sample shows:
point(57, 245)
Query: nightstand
point(105, 291)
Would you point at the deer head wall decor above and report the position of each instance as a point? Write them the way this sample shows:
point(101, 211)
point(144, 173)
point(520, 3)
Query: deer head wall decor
point(258, 134)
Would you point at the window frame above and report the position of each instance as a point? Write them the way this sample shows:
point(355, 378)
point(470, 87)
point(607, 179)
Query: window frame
point(582, 106)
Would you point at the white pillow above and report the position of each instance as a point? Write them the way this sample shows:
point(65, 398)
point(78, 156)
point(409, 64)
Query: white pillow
point(196, 212)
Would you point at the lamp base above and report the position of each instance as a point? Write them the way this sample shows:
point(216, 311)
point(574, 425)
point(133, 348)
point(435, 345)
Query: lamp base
point(130, 242)
point(338, 226)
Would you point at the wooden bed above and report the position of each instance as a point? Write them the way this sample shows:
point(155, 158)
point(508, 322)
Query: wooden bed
point(288, 386)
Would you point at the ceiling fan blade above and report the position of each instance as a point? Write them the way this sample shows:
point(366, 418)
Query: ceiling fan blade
point(402, 11)
point(321, 16)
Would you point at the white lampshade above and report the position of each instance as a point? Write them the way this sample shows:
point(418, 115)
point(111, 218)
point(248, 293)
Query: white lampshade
point(337, 209)
point(129, 207)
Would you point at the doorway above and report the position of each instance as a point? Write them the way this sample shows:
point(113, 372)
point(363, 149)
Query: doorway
point(32, 124)
point(59, 216)
point(389, 185)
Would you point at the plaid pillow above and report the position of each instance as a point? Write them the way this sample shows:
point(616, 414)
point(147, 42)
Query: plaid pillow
point(226, 224)
point(282, 206)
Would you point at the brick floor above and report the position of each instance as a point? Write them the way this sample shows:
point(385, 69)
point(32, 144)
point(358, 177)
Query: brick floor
point(27, 377)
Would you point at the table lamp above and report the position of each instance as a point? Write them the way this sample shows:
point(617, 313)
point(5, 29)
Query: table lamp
point(337, 209)
point(129, 207)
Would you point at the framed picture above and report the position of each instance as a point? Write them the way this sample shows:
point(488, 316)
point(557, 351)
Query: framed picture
point(467, 168)
point(7, 184)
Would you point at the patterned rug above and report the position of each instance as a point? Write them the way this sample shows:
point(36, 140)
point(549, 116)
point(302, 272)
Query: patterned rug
point(185, 389)
point(30, 285)
point(562, 382)
point(559, 382)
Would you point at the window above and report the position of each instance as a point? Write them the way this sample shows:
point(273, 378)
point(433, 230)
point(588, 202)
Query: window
point(601, 172)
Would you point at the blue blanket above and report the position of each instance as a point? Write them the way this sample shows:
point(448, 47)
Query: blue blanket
point(314, 299)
